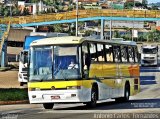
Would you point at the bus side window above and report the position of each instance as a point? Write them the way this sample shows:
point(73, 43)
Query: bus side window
point(130, 53)
point(124, 53)
point(93, 52)
point(109, 53)
point(116, 50)
point(100, 52)
point(136, 54)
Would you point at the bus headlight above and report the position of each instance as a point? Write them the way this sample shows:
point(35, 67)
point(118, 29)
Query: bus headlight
point(73, 87)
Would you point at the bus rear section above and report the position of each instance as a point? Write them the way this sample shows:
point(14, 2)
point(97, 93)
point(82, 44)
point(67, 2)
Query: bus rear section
point(149, 55)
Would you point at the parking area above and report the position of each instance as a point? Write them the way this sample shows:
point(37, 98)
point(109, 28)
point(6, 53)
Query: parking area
point(9, 79)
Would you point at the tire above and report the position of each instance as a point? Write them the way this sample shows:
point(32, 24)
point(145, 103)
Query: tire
point(126, 94)
point(94, 96)
point(48, 105)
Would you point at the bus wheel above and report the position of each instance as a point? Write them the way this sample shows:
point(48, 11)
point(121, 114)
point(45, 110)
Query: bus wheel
point(126, 94)
point(93, 101)
point(48, 105)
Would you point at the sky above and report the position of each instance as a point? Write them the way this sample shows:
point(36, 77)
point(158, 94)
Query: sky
point(153, 1)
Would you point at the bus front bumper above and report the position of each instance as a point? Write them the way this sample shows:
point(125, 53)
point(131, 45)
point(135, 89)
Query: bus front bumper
point(58, 96)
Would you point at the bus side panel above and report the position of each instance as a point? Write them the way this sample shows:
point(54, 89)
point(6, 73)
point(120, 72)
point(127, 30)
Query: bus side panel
point(131, 73)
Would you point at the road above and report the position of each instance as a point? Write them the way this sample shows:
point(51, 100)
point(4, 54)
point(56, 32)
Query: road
point(138, 104)
point(145, 104)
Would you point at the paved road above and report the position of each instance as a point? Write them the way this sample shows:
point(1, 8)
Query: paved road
point(145, 103)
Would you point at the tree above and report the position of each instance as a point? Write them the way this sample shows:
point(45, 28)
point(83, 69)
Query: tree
point(116, 34)
point(25, 11)
point(58, 28)
point(144, 3)
point(128, 5)
point(153, 36)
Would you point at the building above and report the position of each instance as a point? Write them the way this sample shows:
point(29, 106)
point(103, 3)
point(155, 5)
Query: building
point(2, 1)
point(32, 7)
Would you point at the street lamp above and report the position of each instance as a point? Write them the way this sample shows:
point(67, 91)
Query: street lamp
point(76, 17)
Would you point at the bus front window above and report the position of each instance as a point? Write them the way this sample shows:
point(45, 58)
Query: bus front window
point(41, 63)
point(66, 63)
point(54, 63)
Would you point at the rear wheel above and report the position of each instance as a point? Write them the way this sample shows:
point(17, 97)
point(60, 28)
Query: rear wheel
point(126, 94)
point(94, 96)
point(48, 105)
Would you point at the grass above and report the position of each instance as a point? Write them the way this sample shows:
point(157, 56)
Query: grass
point(4, 68)
point(13, 94)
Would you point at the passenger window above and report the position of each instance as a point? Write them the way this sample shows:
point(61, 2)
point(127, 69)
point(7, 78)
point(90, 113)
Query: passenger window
point(100, 52)
point(109, 53)
point(136, 54)
point(93, 53)
point(130, 53)
point(124, 53)
point(116, 50)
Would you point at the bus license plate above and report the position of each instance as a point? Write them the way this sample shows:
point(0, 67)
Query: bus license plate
point(55, 97)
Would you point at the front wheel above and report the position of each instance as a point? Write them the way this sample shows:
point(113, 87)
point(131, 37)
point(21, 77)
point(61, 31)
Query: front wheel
point(48, 105)
point(93, 101)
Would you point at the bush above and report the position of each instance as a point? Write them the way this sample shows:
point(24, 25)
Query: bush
point(13, 94)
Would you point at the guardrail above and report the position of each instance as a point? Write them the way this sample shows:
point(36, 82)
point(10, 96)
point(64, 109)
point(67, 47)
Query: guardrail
point(81, 14)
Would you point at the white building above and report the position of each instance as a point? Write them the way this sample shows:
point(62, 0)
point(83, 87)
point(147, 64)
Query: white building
point(2, 1)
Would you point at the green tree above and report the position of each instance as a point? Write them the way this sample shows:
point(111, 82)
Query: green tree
point(58, 28)
point(128, 5)
point(116, 34)
point(153, 36)
point(25, 11)
point(144, 3)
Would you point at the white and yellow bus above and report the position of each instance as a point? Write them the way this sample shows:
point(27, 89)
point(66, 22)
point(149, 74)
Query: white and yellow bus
point(101, 70)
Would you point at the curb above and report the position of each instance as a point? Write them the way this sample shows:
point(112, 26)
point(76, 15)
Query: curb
point(14, 102)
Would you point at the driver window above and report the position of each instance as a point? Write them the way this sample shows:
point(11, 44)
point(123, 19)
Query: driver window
point(86, 58)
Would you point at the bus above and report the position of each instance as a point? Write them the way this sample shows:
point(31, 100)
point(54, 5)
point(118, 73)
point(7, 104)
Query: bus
point(103, 70)
point(149, 55)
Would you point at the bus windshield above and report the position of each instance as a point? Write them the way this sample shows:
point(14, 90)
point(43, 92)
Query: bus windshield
point(24, 57)
point(149, 50)
point(55, 63)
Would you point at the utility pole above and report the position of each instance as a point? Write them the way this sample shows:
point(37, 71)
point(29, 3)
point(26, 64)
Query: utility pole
point(111, 23)
point(76, 17)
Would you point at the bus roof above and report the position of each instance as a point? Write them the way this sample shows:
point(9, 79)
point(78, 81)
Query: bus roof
point(76, 40)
